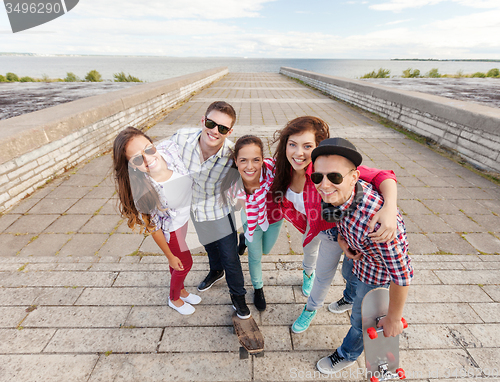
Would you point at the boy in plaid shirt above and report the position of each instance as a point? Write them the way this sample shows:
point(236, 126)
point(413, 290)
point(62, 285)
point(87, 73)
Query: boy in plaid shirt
point(352, 203)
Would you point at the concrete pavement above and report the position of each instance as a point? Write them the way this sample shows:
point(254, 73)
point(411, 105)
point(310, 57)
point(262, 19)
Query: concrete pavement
point(82, 298)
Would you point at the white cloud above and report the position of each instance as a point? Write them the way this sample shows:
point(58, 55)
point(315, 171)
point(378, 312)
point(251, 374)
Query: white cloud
point(397, 22)
point(172, 9)
point(125, 32)
point(399, 5)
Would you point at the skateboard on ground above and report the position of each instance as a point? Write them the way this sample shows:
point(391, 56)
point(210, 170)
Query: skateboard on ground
point(249, 335)
point(381, 353)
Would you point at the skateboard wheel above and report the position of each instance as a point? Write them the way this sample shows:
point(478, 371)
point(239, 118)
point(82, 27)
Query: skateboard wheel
point(405, 324)
point(373, 379)
point(243, 353)
point(372, 333)
point(401, 373)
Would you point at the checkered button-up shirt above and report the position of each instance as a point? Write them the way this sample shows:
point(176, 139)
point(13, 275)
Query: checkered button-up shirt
point(207, 175)
point(380, 262)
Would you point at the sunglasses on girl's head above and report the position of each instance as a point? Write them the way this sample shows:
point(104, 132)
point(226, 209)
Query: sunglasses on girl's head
point(334, 177)
point(209, 124)
point(138, 159)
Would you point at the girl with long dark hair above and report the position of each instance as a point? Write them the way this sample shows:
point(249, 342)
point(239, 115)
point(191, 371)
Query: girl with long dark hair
point(249, 180)
point(154, 191)
point(301, 205)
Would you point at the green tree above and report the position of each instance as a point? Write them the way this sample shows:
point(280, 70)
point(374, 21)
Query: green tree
point(93, 76)
point(2, 78)
point(493, 73)
point(122, 77)
point(479, 75)
point(71, 77)
point(382, 73)
point(26, 79)
point(433, 73)
point(12, 77)
point(411, 73)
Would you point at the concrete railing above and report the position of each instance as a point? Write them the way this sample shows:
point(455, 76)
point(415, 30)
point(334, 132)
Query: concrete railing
point(471, 130)
point(37, 146)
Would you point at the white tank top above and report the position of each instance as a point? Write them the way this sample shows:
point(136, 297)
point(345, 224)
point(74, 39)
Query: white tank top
point(178, 192)
point(297, 200)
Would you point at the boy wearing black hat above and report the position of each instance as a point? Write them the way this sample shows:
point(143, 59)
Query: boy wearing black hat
point(353, 203)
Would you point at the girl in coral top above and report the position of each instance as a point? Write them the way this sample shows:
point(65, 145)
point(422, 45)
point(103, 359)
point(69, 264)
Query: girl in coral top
point(301, 205)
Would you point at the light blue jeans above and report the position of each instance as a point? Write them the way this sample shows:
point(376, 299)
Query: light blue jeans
point(263, 242)
point(328, 257)
point(352, 346)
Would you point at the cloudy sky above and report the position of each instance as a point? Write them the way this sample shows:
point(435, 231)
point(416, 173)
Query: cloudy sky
point(378, 29)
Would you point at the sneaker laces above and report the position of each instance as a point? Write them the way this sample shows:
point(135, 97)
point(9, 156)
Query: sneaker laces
point(343, 302)
point(335, 358)
point(305, 318)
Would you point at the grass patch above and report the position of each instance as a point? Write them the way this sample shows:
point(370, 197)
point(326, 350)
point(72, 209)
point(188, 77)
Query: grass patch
point(122, 77)
point(382, 73)
point(20, 269)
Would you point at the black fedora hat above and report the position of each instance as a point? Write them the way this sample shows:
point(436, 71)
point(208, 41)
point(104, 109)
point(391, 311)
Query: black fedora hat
point(338, 146)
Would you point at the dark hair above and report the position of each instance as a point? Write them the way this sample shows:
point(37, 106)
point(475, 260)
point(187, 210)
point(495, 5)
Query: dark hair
point(233, 176)
point(223, 107)
point(299, 125)
point(132, 183)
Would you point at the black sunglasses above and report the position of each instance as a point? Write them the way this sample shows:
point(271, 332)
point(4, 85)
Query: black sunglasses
point(138, 160)
point(334, 177)
point(209, 124)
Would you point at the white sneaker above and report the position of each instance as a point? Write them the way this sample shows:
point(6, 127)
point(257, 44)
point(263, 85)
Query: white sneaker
point(185, 309)
point(192, 299)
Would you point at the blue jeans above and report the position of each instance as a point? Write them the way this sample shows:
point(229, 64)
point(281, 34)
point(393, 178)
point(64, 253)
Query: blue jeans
point(355, 291)
point(223, 252)
point(262, 243)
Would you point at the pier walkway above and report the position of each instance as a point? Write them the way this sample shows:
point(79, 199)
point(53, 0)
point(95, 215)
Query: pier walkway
point(83, 299)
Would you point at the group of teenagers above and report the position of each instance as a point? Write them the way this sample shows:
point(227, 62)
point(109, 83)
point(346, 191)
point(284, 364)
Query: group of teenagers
point(313, 181)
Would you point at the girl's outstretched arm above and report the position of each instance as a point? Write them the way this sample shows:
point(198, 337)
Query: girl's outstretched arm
point(387, 215)
point(173, 261)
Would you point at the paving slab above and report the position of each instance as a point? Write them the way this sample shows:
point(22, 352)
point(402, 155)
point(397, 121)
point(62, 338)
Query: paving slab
point(49, 368)
point(76, 306)
point(39, 296)
point(25, 340)
point(76, 317)
point(126, 340)
point(172, 367)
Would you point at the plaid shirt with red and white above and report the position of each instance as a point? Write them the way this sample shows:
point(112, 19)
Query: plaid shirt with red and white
point(312, 202)
point(380, 263)
point(260, 208)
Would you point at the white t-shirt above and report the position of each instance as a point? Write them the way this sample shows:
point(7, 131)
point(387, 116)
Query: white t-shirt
point(178, 193)
point(297, 200)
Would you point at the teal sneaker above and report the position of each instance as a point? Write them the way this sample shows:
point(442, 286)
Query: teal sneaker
point(302, 323)
point(307, 283)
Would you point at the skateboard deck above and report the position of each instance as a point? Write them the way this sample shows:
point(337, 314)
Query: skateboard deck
point(249, 335)
point(381, 353)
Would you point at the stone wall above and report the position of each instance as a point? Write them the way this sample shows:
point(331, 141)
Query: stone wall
point(36, 146)
point(471, 130)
